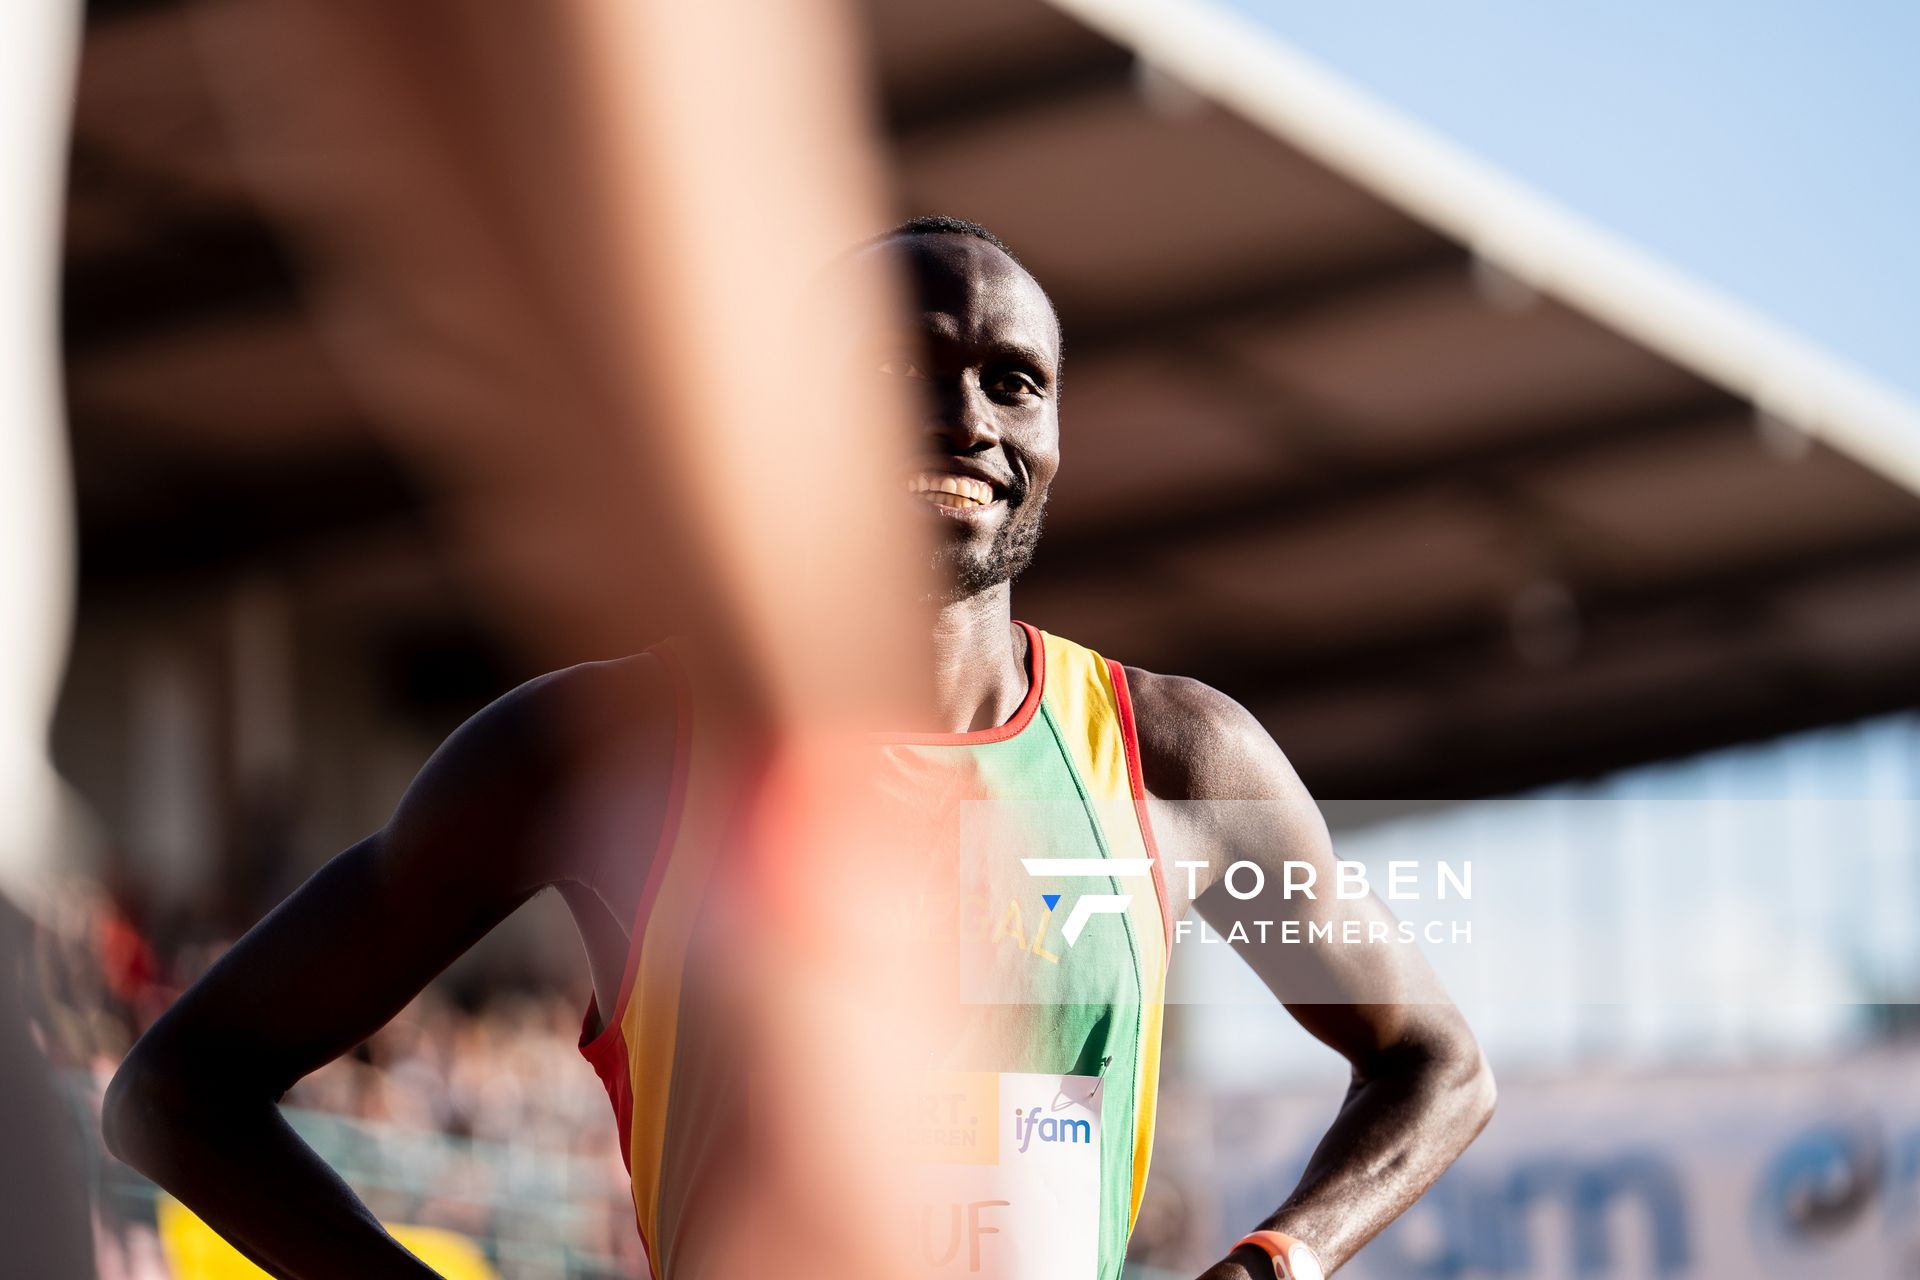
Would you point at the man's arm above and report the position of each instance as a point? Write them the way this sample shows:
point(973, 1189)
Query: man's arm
point(195, 1105)
point(1421, 1091)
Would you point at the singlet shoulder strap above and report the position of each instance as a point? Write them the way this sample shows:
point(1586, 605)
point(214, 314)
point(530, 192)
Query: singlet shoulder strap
point(1087, 699)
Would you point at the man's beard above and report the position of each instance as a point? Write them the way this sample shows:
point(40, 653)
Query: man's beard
point(961, 573)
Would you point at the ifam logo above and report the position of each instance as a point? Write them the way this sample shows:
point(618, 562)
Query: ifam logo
point(1031, 1124)
point(1088, 905)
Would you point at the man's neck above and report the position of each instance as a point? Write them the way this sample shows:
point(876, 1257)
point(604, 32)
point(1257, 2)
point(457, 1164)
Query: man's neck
point(978, 662)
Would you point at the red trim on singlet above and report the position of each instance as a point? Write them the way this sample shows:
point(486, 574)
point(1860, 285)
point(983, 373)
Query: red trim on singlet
point(1036, 684)
point(1131, 736)
point(616, 1073)
point(618, 1077)
point(598, 1048)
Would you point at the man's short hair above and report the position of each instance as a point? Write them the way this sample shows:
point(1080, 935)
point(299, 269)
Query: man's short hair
point(940, 224)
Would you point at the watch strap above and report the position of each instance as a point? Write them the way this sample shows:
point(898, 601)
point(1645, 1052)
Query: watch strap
point(1292, 1258)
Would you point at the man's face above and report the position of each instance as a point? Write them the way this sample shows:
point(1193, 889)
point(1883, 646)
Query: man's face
point(983, 351)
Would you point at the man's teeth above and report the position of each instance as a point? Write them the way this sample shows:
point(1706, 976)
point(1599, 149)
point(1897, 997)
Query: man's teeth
point(949, 490)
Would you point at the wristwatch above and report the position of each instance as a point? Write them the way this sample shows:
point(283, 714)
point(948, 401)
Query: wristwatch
point(1292, 1259)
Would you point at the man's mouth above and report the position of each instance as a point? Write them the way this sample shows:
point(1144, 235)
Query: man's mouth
point(944, 489)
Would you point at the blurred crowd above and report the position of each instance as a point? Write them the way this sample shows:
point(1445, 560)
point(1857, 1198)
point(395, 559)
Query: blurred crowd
point(480, 1118)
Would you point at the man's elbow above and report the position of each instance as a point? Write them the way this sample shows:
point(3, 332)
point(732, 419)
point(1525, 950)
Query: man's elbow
point(143, 1109)
point(1460, 1082)
point(126, 1111)
point(1458, 1079)
point(1479, 1094)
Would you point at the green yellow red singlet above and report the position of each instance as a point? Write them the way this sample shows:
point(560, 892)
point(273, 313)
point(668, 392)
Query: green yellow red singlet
point(1069, 759)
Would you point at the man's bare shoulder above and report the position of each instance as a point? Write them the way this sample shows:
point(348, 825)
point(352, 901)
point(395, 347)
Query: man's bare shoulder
point(1196, 743)
point(557, 716)
point(514, 757)
point(593, 702)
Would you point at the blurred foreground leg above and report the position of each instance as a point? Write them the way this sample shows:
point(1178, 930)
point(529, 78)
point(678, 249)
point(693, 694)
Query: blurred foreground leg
point(43, 1210)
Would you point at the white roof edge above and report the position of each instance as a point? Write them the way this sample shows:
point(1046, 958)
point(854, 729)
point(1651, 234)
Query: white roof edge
point(1249, 69)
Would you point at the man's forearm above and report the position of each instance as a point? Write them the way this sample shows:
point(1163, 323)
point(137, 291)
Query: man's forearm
point(240, 1166)
point(1396, 1133)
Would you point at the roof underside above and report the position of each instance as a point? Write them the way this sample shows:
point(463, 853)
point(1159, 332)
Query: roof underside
point(1443, 535)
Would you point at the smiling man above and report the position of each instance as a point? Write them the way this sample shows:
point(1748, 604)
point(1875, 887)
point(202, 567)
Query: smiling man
point(1134, 773)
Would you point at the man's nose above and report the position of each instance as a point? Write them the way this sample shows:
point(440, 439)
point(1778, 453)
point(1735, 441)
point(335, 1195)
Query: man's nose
point(963, 418)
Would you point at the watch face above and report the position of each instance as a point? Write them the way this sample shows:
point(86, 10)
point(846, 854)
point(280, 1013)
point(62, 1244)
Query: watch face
point(1302, 1265)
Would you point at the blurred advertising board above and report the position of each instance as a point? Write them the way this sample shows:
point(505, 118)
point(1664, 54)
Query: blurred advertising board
point(1772, 1172)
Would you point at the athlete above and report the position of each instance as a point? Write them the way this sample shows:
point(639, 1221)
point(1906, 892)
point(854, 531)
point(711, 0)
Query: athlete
point(1154, 770)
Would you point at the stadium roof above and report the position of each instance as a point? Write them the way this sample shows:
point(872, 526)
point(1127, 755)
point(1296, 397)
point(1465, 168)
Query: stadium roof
point(1456, 493)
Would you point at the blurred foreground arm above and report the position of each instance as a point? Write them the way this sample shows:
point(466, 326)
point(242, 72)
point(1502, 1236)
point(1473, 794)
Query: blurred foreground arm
point(538, 226)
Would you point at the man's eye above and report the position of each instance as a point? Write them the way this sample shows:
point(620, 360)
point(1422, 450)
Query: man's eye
point(1014, 384)
point(901, 367)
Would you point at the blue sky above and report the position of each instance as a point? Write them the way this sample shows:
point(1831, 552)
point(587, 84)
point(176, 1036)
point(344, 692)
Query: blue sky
point(1769, 149)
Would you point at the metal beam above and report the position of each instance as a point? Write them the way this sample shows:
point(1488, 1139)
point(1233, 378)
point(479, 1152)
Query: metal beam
point(100, 11)
point(1442, 649)
point(189, 273)
point(986, 93)
point(1760, 696)
point(1264, 505)
point(1268, 298)
point(194, 521)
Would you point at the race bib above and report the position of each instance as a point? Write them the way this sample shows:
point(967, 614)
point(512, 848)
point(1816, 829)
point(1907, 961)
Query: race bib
point(1007, 1170)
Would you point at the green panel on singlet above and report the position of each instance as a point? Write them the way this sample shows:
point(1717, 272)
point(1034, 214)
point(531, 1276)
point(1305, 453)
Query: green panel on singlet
point(1061, 1010)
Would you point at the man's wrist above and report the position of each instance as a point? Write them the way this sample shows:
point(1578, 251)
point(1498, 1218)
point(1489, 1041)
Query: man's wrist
point(1276, 1254)
point(1254, 1260)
